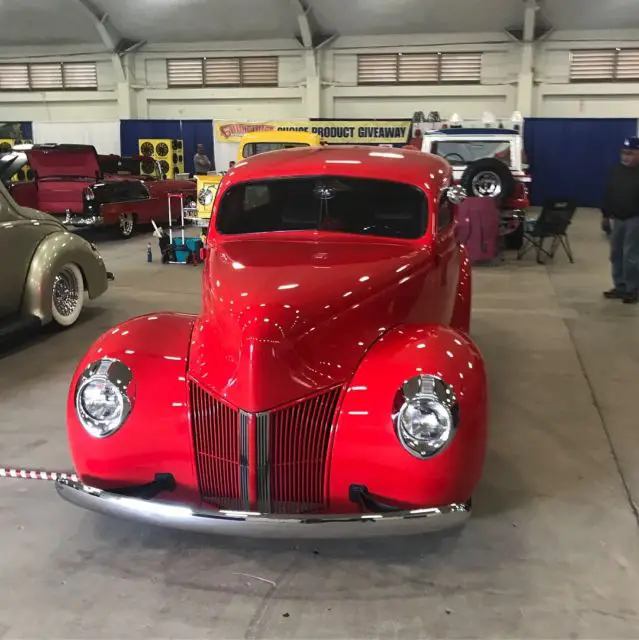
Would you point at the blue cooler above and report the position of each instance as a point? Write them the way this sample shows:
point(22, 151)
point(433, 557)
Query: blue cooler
point(183, 249)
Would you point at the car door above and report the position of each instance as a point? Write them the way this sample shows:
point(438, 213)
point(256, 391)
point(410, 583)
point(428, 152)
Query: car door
point(19, 237)
point(447, 257)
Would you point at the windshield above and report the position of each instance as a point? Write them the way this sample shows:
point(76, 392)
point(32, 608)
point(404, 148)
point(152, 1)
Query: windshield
point(348, 205)
point(459, 152)
point(253, 148)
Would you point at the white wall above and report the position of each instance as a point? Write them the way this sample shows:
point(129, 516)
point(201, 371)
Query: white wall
point(156, 100)
point(340, 97)
point(556, 97)
point(61, 106)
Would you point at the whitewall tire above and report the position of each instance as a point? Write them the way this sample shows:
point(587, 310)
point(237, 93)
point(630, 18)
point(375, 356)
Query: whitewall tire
point(67, 295)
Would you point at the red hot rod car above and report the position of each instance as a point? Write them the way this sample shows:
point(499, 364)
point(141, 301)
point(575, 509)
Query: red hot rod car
point(87, 190)
point(328, 387)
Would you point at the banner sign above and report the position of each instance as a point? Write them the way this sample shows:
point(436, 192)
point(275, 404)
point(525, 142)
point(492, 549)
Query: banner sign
point(331, 131)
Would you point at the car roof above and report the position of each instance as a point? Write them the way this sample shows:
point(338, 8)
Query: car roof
point(381, 163)
point(476, 131)
point(273, 135)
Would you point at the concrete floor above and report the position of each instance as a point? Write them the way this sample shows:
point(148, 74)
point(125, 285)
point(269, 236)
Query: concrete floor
point(551, 551)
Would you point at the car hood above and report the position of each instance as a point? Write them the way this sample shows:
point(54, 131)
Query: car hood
point(65, 163)
point(189, 185)
point(284, 318)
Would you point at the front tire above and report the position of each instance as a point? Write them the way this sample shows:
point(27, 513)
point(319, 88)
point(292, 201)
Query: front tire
point(67, 295)
point(126, 225)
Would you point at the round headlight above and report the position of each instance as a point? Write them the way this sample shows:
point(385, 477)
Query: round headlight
point(102, 399)
point(427, 418)
point(205, 197)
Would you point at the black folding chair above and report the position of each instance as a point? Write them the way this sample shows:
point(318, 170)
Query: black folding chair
point(553, 223)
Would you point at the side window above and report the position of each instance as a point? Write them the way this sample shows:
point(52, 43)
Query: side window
point(445, 214)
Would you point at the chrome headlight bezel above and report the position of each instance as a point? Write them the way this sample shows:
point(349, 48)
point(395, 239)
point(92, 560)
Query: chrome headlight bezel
point(205, 196)
point(439, 397)
point(119, 378)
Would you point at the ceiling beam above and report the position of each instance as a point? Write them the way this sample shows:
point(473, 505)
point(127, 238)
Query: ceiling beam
point(302, 13)
point(115, 44)
point(309, 36)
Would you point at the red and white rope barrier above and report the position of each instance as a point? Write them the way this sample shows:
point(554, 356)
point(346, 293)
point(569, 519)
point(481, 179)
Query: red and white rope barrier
point(30, 474)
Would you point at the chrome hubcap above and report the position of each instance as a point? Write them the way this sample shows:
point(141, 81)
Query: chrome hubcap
point(65, 293)
point(126, 224)
point(486, 184)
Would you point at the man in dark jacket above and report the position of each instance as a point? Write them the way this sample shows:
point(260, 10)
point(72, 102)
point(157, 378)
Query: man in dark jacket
point(621, 206)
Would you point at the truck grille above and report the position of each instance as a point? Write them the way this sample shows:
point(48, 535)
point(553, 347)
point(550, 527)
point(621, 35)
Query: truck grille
point(274, 462)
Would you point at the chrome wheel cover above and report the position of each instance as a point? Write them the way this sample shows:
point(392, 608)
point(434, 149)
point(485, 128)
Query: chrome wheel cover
point(126, 224)
point(66, 292)
point(487, 184)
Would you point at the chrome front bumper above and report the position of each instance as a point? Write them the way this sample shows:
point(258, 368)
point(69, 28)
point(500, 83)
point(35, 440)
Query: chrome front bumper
point(71, 220)
point(259, 525)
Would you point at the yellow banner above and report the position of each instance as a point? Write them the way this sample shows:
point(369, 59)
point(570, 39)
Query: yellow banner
point(331, 131)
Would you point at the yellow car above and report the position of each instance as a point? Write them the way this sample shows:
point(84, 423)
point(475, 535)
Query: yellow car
point(250, 145)
point(206, 189)
point(263, 141)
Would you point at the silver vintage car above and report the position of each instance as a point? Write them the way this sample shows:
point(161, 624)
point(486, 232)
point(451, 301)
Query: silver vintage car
point(46, 270)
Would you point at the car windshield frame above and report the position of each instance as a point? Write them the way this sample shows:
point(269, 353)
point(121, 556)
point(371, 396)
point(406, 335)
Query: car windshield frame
point(342, 219)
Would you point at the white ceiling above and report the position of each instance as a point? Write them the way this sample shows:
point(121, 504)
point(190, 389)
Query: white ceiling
point(41, 22)
point(379, 17)
point(575, 15)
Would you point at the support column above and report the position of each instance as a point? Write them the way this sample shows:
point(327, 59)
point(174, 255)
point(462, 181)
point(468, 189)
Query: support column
point(313, 95)
point(525, 85)
point(127, 100)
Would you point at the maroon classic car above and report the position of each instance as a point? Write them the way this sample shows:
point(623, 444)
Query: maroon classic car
point(87, 190)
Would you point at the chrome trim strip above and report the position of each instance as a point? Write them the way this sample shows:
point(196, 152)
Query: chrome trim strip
point(243, 419)
point(262, 425)
point(186, 518)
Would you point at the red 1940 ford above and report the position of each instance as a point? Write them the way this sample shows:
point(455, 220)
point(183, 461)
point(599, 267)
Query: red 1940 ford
point(328, 387)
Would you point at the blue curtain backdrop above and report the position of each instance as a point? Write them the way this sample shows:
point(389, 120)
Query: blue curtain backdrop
point(571, 157)
point(27, 130)
point(16, 130)
point(193, 132)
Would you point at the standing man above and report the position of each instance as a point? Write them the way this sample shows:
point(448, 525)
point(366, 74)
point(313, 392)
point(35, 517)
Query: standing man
point(621, 206)
point(201, 162)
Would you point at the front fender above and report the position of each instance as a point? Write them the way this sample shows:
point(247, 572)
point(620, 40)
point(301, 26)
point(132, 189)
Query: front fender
point(156, 436)
point(366, 450)
point(56, 250)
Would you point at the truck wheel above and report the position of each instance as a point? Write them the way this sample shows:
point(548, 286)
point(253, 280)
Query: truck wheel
point(488, 178)
point(67, 295)
point(126, 225)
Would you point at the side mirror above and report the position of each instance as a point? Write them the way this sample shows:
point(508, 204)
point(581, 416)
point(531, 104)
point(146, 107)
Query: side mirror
point(456, 194)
